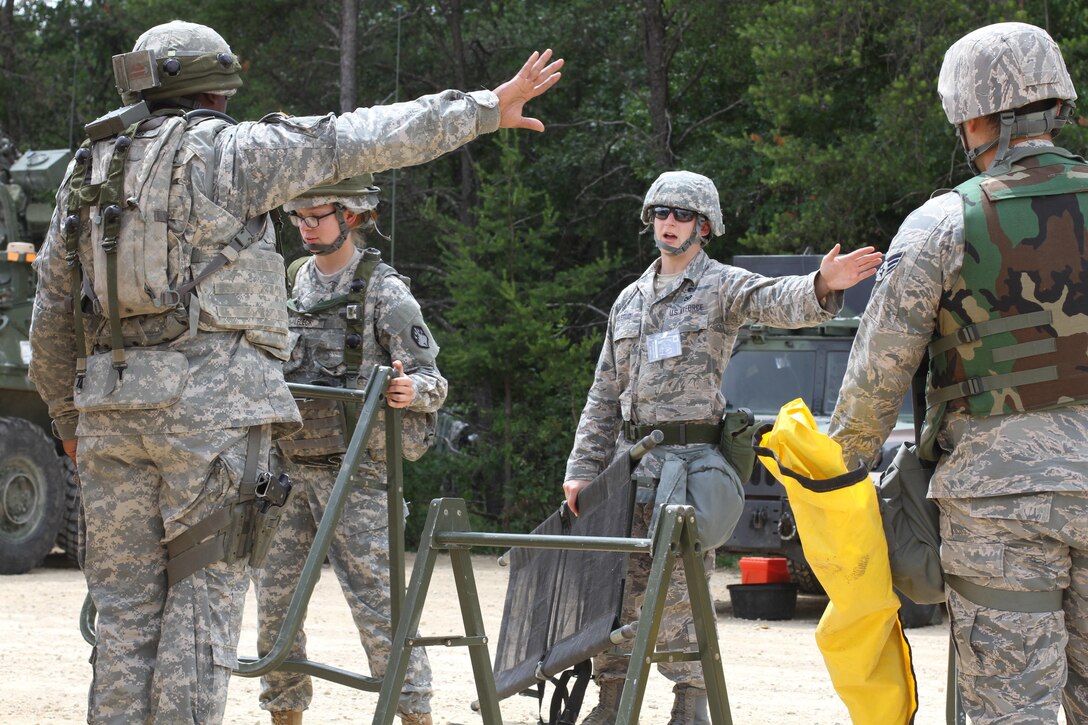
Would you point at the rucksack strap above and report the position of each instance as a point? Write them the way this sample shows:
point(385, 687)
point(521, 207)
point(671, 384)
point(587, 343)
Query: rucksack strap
point(73, 224)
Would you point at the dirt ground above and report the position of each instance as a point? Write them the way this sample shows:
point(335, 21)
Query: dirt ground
point(773, 670)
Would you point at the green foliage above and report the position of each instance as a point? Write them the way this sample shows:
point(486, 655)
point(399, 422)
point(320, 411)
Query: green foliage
point(818, 120)
point(514, 369)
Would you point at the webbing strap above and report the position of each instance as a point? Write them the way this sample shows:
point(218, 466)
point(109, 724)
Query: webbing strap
point(979, 330)
point(676, 434)
point(73, 224)
point(110, 200)
point(976, 385)
point(818, 485)
point(1005, 600)
point(355, 315)
point(226, 255)
point(205, 541)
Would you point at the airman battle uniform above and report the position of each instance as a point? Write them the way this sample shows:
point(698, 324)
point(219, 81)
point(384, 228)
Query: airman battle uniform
point(661, 365)
point(1012, 483)
point(992, 279)
point(393, 330)
point(164, 402)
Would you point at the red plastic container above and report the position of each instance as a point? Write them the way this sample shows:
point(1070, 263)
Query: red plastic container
point(764, 570)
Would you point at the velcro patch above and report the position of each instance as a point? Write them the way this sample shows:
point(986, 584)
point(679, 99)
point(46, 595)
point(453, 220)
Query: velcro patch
point(888, 266)
point(419, 336)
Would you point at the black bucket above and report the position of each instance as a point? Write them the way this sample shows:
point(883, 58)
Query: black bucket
point(763, 601)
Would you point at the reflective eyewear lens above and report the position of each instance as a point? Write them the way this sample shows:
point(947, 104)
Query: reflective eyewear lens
point(680, 215)
point(308, 221)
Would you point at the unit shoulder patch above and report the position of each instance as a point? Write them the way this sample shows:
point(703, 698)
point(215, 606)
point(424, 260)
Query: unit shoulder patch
point(420, 337)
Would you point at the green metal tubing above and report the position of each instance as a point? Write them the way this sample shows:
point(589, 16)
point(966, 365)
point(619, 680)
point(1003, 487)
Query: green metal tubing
point(395, 498)
point(373, 397)
point(450, 539)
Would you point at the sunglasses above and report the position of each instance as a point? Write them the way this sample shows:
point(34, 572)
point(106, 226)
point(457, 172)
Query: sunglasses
point(680, 215)
point(311, 222)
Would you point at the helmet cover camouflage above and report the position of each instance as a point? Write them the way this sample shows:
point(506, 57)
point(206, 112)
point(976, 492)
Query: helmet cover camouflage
point(685, 190)
point(357, 194)
point(1001, 67)
point(205, 61)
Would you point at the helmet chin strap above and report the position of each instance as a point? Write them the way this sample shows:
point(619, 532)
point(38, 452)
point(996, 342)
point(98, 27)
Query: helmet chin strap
point(692, 238)
point(323, 249)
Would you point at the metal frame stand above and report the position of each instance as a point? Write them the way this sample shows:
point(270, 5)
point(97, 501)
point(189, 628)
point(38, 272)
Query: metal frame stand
point(447, 529)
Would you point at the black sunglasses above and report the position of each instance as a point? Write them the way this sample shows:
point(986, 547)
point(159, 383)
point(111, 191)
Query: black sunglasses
point(680, 215)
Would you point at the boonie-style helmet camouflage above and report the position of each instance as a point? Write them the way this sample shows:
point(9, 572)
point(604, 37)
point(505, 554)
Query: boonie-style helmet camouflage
point(998, 69)
point(357, 194)
point(190, 58)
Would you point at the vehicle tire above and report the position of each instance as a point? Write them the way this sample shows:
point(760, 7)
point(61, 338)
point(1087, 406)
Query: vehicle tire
point(802, 575)
point(31, 495)
point(914, 615)
point(70, 537)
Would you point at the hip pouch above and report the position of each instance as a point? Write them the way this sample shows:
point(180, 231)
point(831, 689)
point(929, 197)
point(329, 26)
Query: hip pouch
point(912, 527)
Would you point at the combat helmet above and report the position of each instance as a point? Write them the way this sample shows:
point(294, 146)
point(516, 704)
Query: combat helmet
point(685, 190)
point(356, 193)
point(174, 60)
point(998, 69)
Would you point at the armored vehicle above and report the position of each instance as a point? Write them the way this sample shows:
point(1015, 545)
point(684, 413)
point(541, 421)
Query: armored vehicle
point(769, 368)
point(39, 492)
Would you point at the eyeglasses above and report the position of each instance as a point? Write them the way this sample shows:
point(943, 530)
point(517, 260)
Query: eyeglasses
point(311, 222)
point(680, 215)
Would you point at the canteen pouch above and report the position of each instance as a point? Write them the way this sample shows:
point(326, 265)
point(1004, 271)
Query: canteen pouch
point(736, 443)
point(911, 527)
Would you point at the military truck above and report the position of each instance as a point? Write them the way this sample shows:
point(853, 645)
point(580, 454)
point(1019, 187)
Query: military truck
point(39, 492)
point(770, 367)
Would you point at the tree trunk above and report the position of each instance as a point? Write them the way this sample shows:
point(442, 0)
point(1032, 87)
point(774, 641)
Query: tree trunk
point(455, 11)
point(349, 26)
point(508, 492)
point(658, 80)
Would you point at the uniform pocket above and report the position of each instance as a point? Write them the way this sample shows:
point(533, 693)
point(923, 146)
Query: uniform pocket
point(989, 642)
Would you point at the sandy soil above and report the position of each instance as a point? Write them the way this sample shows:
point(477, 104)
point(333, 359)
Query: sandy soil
point(773, 670)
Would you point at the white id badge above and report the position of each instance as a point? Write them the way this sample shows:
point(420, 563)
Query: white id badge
point(663, 345)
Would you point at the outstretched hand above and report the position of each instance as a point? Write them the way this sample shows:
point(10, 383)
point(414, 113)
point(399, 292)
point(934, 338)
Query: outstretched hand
point(842, 271)
point(535, 77)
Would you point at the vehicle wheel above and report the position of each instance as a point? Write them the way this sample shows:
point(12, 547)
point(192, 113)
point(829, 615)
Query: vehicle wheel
point(70, 537)
point(914, 615)
point(31, 495)
point(802, 575)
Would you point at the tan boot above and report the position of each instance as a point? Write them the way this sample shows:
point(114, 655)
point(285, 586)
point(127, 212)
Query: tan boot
point(286, 717)
point(608, 704)
point(689, 707)
point(416, 718)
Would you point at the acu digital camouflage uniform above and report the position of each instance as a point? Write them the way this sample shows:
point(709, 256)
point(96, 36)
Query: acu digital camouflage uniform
point(1012, 483)
point(176, 455)
point(706, 306)
point(360, 546)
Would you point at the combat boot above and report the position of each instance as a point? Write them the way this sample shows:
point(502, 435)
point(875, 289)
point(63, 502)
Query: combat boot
point(287, 717)
point(415, 718)
point(689, 707)
point(608, 704)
